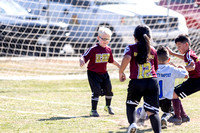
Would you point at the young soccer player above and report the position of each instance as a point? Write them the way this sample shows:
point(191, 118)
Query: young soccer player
point(98, 77)
point(143, 65)
point(191, 85)
point(167, 73)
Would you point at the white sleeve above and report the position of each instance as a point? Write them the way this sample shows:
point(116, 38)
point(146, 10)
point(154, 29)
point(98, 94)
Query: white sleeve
point(180, 73)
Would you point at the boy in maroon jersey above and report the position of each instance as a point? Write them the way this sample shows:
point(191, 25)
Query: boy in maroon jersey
point(191, 85)
point(98, 77)
point(143, 66)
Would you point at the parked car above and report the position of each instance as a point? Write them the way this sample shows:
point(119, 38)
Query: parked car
point(190, 9)
point(22, 33)
point(86, 16)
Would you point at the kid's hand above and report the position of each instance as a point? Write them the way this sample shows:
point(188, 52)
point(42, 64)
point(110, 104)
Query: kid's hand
point(171, 63)
point(169, 50)
point(82, 62)
point(122, 77)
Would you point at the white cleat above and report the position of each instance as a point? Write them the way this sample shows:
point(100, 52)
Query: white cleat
point(132, 128)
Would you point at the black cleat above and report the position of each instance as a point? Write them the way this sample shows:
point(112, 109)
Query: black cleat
point(175, 120)
point(109, 110)
point(186, 119)
point(94, 113)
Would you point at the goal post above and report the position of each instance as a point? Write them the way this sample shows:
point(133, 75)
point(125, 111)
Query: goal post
point(45, 38)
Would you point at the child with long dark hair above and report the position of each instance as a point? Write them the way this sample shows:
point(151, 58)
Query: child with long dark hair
point(143, 65)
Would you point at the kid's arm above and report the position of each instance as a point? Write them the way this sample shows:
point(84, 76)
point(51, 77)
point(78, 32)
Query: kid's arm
point(180, 56)
point(174, 65)
point(182, 67)
point(116, 63)
point(125, 62)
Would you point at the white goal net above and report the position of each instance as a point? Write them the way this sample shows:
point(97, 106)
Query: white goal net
point(45, 38)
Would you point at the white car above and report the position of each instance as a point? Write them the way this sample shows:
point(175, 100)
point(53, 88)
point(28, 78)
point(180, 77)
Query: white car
point(24, 34)
point(121, 16)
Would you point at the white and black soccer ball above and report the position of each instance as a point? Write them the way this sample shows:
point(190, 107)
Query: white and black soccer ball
point(138, 113)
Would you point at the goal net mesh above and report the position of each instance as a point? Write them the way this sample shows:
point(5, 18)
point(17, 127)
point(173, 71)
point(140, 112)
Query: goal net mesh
point(45, 38)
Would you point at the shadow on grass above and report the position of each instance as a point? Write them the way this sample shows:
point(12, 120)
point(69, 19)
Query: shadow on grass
point(138, 130)
point(62, 118)
point(66, 118)
point(144, 130)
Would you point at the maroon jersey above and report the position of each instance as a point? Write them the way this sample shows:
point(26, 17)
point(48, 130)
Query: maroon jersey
point(99, 57)
point(140, 71)
point(189, 57)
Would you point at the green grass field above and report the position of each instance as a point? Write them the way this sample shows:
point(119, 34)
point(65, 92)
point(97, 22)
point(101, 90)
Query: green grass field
point(63, 106)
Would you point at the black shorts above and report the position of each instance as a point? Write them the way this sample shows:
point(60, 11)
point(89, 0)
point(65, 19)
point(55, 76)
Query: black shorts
point(166, 105)
point(188, 87)
point(148, 88)
point(100, 84)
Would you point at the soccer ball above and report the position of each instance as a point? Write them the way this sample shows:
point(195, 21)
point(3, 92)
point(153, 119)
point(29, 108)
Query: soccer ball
point(138, 113)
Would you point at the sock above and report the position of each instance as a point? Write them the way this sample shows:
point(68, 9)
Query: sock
point(131, 113)
point(183, 114)
point(108, 100)
point(166, 115)
point(94, 101)
point(155, 123)
point(94, 105)
point(176, 106)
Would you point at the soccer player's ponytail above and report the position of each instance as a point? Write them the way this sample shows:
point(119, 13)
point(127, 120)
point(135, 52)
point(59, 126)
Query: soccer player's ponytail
point(142, 34)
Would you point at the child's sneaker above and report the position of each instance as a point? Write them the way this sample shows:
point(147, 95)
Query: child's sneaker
point(132, 128)
point(109, 110)
point(94, 113)
point(163, 123)
point(164, 119)
point(186, 119)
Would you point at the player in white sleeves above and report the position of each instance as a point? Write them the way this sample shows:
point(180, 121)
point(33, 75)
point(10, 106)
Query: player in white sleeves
point(167, 73)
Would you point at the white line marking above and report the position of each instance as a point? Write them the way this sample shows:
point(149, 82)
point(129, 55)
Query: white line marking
point(24, 112)
point(55, 115)
point(51, 102)
point(37, 113)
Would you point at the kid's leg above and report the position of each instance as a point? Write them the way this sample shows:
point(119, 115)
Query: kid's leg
point(107, 108)
point(182, 91)
point(131, 113)
point(176, 119)
point(166, 107)
point(155, 122)
point(94, 102)
point(184, 116)
point(94, 81)
point(107, 88)
point(151, 105)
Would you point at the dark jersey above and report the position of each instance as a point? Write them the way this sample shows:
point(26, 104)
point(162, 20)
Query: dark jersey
point(98, 58)
point(189, 57)
point(140, 71)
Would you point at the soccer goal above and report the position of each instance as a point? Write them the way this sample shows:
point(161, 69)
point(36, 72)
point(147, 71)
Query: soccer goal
point(45, 38)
